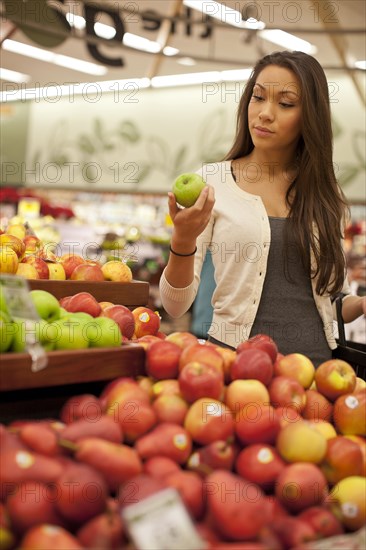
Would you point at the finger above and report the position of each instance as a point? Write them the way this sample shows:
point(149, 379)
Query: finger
point(202, 198)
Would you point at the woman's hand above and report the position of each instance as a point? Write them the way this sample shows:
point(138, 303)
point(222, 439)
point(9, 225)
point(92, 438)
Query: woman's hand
point(190, 222)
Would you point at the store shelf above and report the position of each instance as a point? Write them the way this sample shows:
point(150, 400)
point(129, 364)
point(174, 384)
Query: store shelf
point(132, 294)
point(71, 367)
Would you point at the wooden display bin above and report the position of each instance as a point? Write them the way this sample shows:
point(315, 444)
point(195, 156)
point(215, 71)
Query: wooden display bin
point(28, 394)
point(131, 295)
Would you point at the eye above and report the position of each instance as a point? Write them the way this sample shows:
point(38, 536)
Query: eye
point(286, 105)
point(257, 97)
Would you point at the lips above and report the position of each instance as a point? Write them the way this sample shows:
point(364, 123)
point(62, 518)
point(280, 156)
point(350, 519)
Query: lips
point(263, 129)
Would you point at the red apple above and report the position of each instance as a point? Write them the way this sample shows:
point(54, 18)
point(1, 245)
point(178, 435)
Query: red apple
point(297, 366)
point(288, 415)
point(293, 532)
point(69, 262)
point(170, 408)
point(162, 360)
point(254, 364)
point(45, 536)
point(208, 420)
point(166, 387)
point(103, 305)
point(317, 407)
point(322, 520)
point(190, 488)
point(241, 393)
point(85, 406)
point(238, 508)
point(82, 301)
point(349, 414)
point(40, 265)
point(198, 380)
point(146, 321)
point(135, 419)
point(32, 244)
point(229, 356)
point(257, 423)
point(160, 466)
point(182, 339)
point(137, 488)
point(261, 464)
point(168, 440)
point(123, 317)
point(287, 392)
point(361, 442)
point(87, 272)
point(334, 378)
point(343, 458)
point(203, 353)
point(262, 342)
point(218, 455)
point(300, 486)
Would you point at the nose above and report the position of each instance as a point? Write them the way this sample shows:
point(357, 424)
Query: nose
point(267, 110)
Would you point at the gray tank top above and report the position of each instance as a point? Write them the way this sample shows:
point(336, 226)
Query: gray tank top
point(287, 311)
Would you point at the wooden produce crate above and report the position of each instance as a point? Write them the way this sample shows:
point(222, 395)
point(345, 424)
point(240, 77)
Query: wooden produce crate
point(25, 394)
point(131, 295)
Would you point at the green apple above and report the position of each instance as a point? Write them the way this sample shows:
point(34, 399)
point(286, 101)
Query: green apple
point(47, 306)
point(187, 188)
point(104, 332)
point(40, 331)
point(71, 333)
point(3, 306)
point(6, 332)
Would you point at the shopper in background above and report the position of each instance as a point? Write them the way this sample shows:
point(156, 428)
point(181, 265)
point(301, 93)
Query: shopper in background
point(272, 216)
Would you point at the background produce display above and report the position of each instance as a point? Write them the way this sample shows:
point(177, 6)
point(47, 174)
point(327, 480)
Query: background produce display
point(25, 255)
point(266, 452)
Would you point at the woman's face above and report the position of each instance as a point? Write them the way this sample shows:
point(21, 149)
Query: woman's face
point(274, 111)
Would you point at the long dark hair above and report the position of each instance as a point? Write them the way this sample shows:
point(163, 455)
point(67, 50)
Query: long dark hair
point(314, 198)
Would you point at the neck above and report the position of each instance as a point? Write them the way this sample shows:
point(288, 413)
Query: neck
point(274, 166)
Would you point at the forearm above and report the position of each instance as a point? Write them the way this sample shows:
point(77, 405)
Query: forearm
point(353, 307)
point(179, 271)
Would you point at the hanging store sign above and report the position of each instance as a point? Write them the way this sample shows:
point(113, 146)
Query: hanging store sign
point(45, 22)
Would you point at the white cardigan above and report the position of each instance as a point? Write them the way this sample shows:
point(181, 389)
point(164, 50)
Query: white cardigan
point(239, 238)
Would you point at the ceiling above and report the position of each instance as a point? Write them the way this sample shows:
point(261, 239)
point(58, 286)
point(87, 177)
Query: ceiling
point(336, 28)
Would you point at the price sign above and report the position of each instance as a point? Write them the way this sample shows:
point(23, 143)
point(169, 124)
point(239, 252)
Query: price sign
point(29, 208)
point(22, 310)
point(162, 522)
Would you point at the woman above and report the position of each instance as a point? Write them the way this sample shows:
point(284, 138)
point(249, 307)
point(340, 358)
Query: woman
point(272, 216)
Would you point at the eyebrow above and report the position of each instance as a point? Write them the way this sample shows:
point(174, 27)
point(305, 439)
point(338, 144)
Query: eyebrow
point(283, 92)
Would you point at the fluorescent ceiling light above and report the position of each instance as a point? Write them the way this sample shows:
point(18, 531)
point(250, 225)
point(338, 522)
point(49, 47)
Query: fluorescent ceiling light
point(170, 51)
point(361, 65)
point(287, 40)
point(224, 14)
point(187, 61)
point(51, 57)
point(13, 76)
point(140, 43)
point(120, 86)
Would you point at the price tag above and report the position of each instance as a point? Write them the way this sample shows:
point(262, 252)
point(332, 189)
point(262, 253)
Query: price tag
point(22, 309)
point(162, 522)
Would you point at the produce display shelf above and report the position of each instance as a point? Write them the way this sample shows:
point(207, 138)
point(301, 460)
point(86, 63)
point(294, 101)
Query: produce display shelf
point(132, 294)
point(71, 367)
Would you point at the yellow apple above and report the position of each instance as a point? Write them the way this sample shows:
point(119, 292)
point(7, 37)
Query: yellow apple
point(16, 229)
point(301, 442)
point(13, 243)
point(334, 378)
point(117, 271)
point(297, 366)
point(8, 260)
point(56, 271)
point(324, 427)
point(28, 271)
point(348, 502)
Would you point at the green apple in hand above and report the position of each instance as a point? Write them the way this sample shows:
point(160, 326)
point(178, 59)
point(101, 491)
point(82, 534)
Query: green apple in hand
point(187, 188)
point(47, 306)
point(104, 332)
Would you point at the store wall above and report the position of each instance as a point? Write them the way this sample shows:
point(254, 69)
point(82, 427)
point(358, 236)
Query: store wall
point(141, 139)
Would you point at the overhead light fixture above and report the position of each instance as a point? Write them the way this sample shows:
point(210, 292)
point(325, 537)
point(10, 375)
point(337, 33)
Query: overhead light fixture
point(361, 64)
point(187, 61)
point(224, 14)
point(13, 76)
point(55, 58)
point(287, 41)
point(141, 43)
point(170, 51)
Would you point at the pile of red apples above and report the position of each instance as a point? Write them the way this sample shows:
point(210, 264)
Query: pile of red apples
point(265, 451)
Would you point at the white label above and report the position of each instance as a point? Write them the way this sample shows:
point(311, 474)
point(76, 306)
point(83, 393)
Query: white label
point(162, 522)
